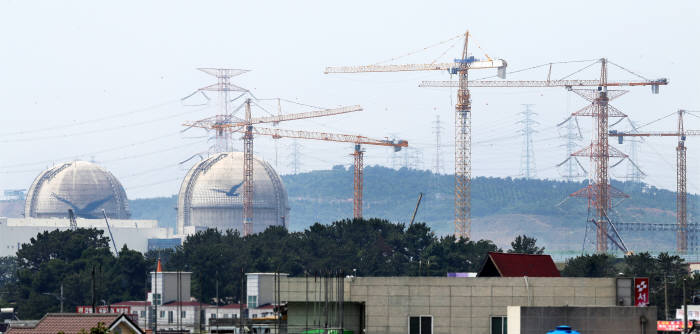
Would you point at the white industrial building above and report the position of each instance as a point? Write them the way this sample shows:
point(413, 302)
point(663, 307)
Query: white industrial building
point(84, 190)
point(132, 233)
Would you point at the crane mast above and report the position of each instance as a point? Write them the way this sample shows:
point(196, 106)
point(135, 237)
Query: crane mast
point(599, 192)
point(681, 175)
point(463, 161)
point(248, 173)
point(463, 145)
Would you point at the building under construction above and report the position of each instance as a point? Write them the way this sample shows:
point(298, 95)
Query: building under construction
point(211, 195)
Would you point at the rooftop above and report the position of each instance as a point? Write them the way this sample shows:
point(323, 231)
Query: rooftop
point(72, 323)
point(518, 265)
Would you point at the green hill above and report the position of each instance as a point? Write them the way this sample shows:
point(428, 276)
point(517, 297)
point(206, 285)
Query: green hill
point(501, 207)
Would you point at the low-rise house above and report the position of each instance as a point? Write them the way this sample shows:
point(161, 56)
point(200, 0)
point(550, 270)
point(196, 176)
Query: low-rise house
point(74, 323)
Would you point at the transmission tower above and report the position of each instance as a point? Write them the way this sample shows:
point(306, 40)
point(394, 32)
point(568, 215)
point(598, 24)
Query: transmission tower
point(437, 164)
point(528, 169)
point(633, 173)
point(295, 163)
point(572, 167)
point(224, 87)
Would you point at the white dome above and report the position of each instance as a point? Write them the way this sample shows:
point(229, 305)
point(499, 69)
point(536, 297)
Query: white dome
point(211, 195)
point(79, 185)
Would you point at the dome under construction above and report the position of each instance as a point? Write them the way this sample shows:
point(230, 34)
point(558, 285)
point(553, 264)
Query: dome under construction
point(82, 186)
point(211, 195)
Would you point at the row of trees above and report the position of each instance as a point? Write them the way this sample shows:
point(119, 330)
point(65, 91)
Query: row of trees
point(76, 259)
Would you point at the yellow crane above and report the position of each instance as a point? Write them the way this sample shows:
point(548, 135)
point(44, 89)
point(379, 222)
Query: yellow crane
point(463, 164)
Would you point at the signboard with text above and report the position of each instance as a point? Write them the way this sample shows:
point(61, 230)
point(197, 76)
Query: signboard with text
point(104, 309)
point(671, 326)
point(641, 291)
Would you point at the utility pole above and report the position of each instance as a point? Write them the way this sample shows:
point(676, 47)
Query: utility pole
point(61, 297)
point(217, 303)
point(685, 309)
point(94, 301)
point(528, 168)
point(665, 299)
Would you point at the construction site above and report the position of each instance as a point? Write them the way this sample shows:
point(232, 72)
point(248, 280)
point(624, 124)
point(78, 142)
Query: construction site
point(228, 156)
point(349, 168)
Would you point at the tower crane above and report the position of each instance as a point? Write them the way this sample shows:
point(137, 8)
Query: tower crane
point(358, 153)
point(463, 164)
point(681, 174)
point(235, 124)
point(599, 193)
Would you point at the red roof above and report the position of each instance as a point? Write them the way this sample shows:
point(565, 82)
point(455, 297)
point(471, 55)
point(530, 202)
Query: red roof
point(518, 265)
point(70, 323)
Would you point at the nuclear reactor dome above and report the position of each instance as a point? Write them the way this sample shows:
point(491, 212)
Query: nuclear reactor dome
point(79, 185)
point(211, 195)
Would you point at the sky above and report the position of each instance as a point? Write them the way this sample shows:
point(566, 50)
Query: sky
point(103, 81)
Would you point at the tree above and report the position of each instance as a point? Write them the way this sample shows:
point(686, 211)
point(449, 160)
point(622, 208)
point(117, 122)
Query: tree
point(525, 245)
point(67, 258)
point(597, 265)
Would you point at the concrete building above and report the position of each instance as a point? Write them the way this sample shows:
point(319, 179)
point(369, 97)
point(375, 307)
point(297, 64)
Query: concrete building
point(598, 319)
point(211, 195)
point(427, 305)
point(260, 288)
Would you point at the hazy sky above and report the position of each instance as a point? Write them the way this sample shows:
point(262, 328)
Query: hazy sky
point(103, 80)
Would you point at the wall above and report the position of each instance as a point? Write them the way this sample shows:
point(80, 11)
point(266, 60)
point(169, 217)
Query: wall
point(588, 320)
point(458, 305)
point(302, 316)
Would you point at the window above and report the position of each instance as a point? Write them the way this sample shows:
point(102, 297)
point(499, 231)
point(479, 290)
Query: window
point(162, 314)
point(420, 325)
point(212, 316)
point(156, 299)
point(170, 317)
point(143, 314)
point(499, 325)
point(183, 314)
point(252, 301)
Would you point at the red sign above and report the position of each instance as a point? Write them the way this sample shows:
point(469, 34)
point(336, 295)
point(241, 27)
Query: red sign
point(672, 326)
point(104, 309)
point(641, 291)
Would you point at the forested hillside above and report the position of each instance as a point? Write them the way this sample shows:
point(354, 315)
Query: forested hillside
point(501, 207)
